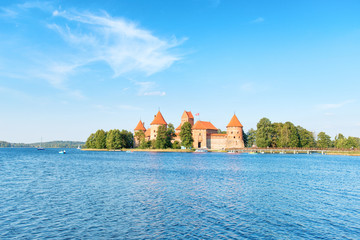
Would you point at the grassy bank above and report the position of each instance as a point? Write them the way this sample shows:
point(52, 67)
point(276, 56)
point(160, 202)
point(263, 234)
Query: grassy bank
point(350, 153)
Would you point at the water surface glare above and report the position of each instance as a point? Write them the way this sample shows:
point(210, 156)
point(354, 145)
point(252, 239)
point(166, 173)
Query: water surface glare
point(117, 195)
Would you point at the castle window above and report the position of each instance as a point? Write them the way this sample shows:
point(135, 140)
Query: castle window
point(234, 136)
point(199, 134)
point(231, 132)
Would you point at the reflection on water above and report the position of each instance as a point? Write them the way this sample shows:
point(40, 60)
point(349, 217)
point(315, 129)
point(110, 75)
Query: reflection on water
point(105, 195)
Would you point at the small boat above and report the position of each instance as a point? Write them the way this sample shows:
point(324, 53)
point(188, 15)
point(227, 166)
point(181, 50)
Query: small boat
point(232, 152)
point(62, 152)
point(40, 147)
point(79, 148)
point(201, 150)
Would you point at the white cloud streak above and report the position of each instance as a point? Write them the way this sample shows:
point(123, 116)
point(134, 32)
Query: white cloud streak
point(258, 20)
point(118, 42)
point(334, 105)
point(91, 38)
point(148, 89)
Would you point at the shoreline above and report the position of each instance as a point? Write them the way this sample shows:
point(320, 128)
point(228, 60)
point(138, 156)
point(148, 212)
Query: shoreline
point(349, 153)
point(138, 150)
point(344, 153)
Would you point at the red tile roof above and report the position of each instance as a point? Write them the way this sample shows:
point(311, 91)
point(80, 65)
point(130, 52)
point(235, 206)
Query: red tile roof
point(188, 114)
point(204, 125)
point(140, 126)
point(158, 119)
point(179, 127)
point(234, 122)
point(147, 132)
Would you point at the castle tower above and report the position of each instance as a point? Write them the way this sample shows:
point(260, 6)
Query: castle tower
point(186, 117)
point(234, 134)
point(139, 128)
point(201, 132)
point(155, 124)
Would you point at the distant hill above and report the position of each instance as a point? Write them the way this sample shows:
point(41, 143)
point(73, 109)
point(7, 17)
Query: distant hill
point(52, 144)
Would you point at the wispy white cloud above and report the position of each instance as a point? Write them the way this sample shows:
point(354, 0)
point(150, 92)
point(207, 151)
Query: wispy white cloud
point(120, 43)
point(247, 87)
point(116, 108)
point(17, 10)
point(155, 93)
point(13, 92)
point(129, 107)
point(8, 13)
point(90, 38)
point(334, 105)
point(148, 89)
point(258, 20)
point(215, 3)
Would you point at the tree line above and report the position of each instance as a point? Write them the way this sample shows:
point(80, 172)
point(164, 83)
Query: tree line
point(113, 139)
point(52, 144)
point(267, 134)
point(287, 135)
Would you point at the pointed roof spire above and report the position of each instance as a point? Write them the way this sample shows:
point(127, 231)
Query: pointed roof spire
point(140, 126)
point(158, 119)
point(234, 122)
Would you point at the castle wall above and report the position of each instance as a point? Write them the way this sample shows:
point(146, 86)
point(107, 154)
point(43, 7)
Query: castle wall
point(217, 141)
point(199, 136)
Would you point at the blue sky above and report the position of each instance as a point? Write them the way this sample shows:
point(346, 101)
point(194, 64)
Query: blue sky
point(68, 68)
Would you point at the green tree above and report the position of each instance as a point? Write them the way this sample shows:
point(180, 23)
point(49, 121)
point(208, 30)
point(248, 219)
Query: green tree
point(323, 140)
point(140, 137)
point(264, 133)
point(100, 139)
point(162, 138)
point(245, 137)
point(340, 141)
point(306, 137)
point(186, 135)
point(176, 145)
point(144, 144)
point(251, 137)
point(152, 144)
point(113, 139)
point(126, 139)
point(90, 142)
point(275, 141)
point(289, 136)
point(351, 142)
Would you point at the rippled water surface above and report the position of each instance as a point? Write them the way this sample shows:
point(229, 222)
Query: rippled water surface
point(117, 195)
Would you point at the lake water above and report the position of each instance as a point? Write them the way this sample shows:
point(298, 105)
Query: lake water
point(118, 195)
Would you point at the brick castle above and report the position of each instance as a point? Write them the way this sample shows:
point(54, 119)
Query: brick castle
point(205, 134)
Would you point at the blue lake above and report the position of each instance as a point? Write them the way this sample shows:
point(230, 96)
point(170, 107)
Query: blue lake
point(118, 195)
